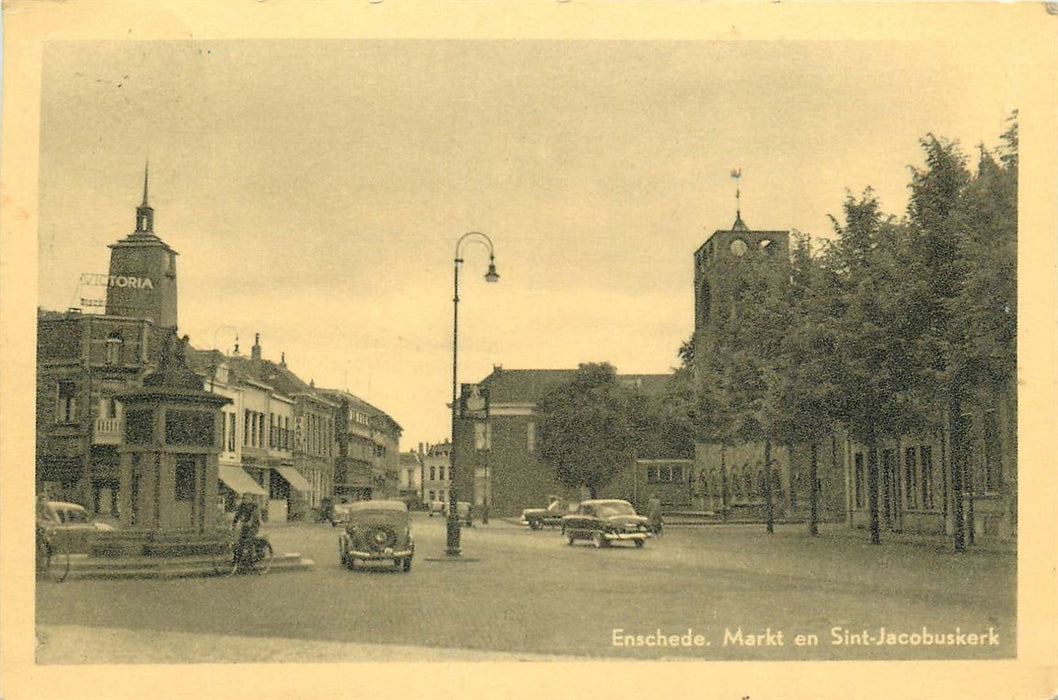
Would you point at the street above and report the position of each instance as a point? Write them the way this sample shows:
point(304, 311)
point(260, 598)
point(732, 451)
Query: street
point(726, 592)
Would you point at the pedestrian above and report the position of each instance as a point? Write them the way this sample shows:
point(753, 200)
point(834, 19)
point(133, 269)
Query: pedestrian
point(654, 515)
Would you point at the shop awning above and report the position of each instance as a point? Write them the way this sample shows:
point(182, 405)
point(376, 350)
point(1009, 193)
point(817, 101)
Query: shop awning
point(239, 481)
point(294, 478)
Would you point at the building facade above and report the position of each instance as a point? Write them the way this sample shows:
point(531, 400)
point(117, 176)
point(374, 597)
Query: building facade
point(497, 456)
point(436, 460)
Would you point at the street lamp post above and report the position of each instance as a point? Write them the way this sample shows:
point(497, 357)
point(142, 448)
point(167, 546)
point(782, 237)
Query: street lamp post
point(452, 541)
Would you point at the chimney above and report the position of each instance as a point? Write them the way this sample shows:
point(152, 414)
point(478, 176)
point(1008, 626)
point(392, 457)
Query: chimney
point(255, 351)
point(282, 359)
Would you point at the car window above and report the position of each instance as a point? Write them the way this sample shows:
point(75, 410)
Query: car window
point(76, 516)
point(60, 515)
point(610, 509)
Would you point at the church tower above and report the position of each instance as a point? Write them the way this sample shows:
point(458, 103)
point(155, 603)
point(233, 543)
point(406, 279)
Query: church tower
point(717, 267)
point(142, 281)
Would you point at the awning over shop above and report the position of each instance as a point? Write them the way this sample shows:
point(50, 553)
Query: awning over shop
point(239, 481)
point(294, 478)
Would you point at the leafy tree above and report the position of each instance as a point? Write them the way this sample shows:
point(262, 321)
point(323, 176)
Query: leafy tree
point(805, 392)
point(586, 428)
point(877, 368)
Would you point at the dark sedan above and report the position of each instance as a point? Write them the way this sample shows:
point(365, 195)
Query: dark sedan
point(606, 521)
point(377, 531)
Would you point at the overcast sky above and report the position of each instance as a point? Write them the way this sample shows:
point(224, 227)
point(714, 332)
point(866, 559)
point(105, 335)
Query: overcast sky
point(315, 190)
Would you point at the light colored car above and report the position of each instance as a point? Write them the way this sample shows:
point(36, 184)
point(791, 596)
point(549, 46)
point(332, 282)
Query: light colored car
point(69, 526)
point(60, 515)
point(377, 531)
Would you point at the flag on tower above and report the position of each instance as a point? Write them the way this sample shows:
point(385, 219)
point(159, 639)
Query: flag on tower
point(736, 173)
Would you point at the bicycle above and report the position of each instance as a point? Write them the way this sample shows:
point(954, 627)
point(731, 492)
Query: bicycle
point(53, 563)
point(256, 557)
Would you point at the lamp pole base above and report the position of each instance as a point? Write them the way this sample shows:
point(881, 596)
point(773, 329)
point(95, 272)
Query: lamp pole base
point(453, 535)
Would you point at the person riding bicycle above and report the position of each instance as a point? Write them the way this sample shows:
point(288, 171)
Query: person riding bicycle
point(247, 521)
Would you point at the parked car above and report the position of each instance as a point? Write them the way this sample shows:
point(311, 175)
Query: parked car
point(377, 531)
point(551, 516)
point(60, 515)
point(436, 507)
point(69, 525)
point(604, 522)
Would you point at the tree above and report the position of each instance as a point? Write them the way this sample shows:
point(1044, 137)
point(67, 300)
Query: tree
point(805, 393)
point(879, 365)
point(586, 428)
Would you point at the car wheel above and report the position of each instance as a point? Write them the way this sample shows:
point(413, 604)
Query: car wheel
point(639, 543)
point(407, 564)
point(534, 524)
point(599, 540)
point(569, 536)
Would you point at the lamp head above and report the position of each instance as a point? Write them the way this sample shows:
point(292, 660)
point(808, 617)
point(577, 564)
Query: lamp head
point(492, 275)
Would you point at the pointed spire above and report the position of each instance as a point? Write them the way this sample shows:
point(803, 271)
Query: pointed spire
point(144, 213)
point(146, 168)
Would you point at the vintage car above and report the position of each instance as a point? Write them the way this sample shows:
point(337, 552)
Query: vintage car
point(551, 516)
point(377, 531)
point(69, 525)
point(606, 521)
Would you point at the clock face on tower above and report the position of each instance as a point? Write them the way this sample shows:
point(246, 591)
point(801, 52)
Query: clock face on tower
point(738, 247)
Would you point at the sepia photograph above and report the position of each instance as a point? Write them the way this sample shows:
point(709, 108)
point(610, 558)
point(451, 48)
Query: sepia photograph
point(604, 341)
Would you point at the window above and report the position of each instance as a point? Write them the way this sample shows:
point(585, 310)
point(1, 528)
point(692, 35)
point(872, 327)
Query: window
point(861, 489)
point(272, 430)
point(677, 475)
point(482, 436)
point(664, 475)
point(108, 408)
point(113, 349)
point(530, 437)
point(433, 495)
point(245, 427)
point(231, 432)
point(993, 476)
point(66, 411)
point(911, 476)
point(433, 473)
point(652, 475)
point(441, 473)
point(926, 458)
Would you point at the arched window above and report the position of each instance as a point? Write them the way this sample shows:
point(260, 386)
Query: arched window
point(113, 351)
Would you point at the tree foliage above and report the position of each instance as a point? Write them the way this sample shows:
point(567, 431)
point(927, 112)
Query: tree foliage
point(587, 431)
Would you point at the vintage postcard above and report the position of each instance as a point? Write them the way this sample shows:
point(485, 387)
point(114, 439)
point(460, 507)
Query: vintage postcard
point(534, 349)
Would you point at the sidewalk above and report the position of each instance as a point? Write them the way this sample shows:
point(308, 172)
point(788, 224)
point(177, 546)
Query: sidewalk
point(68, 644)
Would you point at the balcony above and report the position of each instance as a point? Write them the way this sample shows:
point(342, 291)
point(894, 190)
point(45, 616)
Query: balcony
point(106, 431)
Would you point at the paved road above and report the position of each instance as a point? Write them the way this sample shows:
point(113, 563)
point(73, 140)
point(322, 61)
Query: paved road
point(526, 593)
